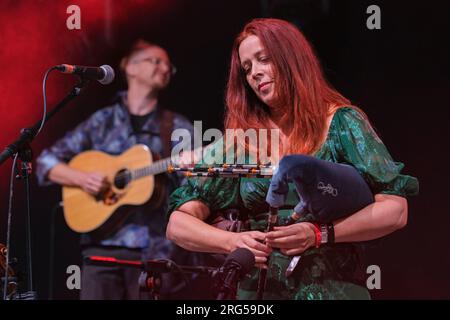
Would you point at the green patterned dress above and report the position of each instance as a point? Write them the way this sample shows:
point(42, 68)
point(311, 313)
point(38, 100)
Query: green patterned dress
point(330, 271)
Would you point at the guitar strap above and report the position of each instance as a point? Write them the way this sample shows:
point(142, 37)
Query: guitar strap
point(165, 130)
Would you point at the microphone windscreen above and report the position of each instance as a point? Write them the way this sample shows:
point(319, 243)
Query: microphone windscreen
point(244, 257)
point(109, 74)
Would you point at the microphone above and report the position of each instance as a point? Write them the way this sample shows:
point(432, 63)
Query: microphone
point(103, 74)
point(236, 266)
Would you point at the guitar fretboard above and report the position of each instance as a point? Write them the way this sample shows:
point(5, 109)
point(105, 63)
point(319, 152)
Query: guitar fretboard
point(157, 167)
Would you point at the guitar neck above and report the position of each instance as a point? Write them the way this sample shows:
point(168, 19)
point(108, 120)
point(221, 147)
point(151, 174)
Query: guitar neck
point(155, 168)
point(159, 166)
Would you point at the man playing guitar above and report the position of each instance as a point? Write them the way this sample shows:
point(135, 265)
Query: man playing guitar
point(136, 118)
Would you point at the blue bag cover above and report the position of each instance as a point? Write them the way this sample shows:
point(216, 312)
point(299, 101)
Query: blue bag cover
point(327, 190)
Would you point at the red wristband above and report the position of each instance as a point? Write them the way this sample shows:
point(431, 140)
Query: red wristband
point(318, 234)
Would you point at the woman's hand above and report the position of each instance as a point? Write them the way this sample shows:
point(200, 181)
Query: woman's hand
point(252, 240)
point(292, 240)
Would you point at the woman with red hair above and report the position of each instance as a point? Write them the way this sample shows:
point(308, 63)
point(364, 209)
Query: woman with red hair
point(276, 82)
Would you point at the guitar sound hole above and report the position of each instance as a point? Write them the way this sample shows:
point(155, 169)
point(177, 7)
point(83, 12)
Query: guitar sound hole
point(122, 179)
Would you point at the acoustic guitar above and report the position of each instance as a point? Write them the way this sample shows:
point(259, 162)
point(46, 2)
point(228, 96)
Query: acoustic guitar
point(131, 176)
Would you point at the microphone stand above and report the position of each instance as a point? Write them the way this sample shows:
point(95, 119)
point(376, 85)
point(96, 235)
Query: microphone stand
point(22, 146)
point(27, 134)
point(228, 288)
point(151, 270)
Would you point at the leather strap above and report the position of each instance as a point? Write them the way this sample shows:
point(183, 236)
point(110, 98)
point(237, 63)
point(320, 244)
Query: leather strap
point(165, 131)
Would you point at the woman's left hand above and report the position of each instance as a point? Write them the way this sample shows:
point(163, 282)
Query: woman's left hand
point(292, 240)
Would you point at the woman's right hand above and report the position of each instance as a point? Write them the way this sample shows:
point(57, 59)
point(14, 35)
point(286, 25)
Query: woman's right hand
point(252, 240)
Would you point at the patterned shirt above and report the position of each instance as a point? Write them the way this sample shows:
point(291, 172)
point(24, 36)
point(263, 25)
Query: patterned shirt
point(110, 130)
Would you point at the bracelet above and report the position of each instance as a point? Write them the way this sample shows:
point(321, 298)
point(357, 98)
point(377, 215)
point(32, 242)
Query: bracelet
point(327, 233)
point(318, 235)
point(324, 233)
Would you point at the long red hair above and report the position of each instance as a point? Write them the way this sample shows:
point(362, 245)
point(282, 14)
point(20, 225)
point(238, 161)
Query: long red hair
point(299, 82)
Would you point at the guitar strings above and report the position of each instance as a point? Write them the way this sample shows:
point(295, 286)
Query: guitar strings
point(157, 167)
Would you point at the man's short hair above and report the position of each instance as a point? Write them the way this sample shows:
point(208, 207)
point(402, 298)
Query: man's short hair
point(137, 46)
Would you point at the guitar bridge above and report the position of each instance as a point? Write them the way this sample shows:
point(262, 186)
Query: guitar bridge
point(109, 197)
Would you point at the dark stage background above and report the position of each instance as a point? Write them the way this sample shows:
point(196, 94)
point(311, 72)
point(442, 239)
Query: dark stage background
point(399, 75)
